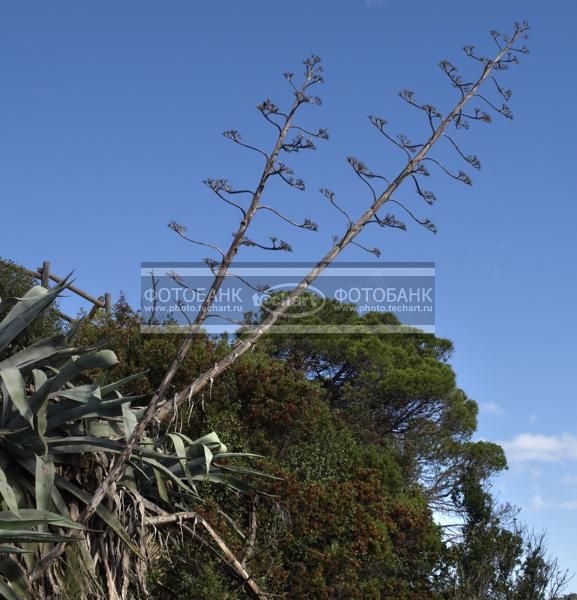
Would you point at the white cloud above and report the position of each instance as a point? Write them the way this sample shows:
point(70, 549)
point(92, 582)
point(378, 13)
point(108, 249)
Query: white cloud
point(492, 408)
point(532, 419)
point(528, 447)
point(538, 502)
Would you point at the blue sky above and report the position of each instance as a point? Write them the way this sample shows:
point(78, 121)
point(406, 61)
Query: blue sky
point(112, 114)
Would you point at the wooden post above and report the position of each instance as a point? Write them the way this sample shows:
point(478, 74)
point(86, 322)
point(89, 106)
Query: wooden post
point(94, 308)
point(45, 274)
point(107, 302)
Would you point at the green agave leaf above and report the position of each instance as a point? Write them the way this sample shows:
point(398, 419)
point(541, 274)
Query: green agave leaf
point(246, 471)
point(15, 575)
point(238, 455)
point(232, 524)
point(207, 457)
point(30, 517)
point(59, 415)
point(161, 486)
point(159, 467)
point(180, 450)
point(39, 377)
point(80, 393)
point(8, 493)
point(26, 310)
point(60, 504)
point(129, 419)
point(13, 550)
point(23, 535)
point(82, 444)
point(48, 350)
point(14, 385)
point(179, 447)
point(112, 387)
point(38, 400)
point(41, 416)
point(105, 429)
point(102, 512)
point(8, 593)
point(211, 441)
point(4, 433)
point(87, 443)
point(44, 481)
point(7, 303)
point(103, 359)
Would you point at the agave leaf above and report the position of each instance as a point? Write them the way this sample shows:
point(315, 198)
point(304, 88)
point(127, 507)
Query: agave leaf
point(37, 401)
point(59, 415)
point(14, 386)
point(231, 522)
point(103, 359)
point(44, 481)
point(161, 486)
point(180, 450)
point(51, 400)
point(26, 310)
point(23, 535)
point(112, 387)
point(8, 593)
point(13, 550)
point(129, 419)
point(207, 457)
point(179, 447)
point(82, 444)
point(74, 328)
point(60, 504)
point(80, 393)
point(4, 433)
point(31, 517)
point(102, 512)
point(8, 303)
point(158, 466)
point(7, 493)
point(48, 350)
point(97, 444)
point(39, 378)
point(196, 447)
point(105, 429)
point(245, 471)
point(15, 575)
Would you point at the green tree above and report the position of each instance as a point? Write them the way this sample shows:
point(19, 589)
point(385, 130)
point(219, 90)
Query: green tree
point(352, 516)
point(495, 557)
point(397, 390)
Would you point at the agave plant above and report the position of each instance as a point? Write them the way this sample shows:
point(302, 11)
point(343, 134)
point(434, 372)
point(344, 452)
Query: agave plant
point(61, 422)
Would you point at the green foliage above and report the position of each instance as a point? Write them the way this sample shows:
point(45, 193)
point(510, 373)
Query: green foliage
point(344, 517)
point(14, 283)
point(62, 419)
point(191, 571)
point(496, 559)
point(369, 435)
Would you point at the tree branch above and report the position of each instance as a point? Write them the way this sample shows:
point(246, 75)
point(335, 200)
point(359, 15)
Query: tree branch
point(119, 465)
point(179, 517)
point(158, 411)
